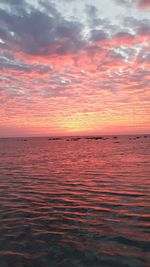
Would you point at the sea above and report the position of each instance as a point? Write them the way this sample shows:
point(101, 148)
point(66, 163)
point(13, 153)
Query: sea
point(75, 202)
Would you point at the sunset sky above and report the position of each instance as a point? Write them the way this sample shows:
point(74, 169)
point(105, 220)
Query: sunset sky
point(74, 67)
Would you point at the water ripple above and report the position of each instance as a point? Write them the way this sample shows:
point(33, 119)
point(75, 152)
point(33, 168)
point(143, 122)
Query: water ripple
point(75, 204)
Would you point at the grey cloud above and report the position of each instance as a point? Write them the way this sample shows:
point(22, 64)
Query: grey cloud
point(49, 7)
point(124, 2)
point(123, 52)
point(15, 6)
point(59, 80)
point(91, 11)
point(7, 62)
point(98, 35)
point(13, 2)
point(124, 34)
point(38, 32)
point(140, 27)
point(134, 3)
point(93, 17)
point(135, 23)
point(100, 27)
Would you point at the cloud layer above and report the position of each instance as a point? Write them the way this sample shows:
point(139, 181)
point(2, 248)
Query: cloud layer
point(63, 73)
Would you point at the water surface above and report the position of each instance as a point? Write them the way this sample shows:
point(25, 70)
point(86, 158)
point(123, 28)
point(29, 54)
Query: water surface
point(83, 203)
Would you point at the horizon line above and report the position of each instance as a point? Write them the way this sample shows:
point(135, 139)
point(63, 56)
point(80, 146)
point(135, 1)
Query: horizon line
point(70, 136)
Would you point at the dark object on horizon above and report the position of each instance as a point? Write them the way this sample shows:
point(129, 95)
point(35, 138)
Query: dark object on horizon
point(87, 138)
point(73, 139)
point(98, 138)
point(95, 138)
point(76, 139)
point(55, 138)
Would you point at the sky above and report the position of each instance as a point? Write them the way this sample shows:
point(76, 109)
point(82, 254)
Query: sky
point(74, 67)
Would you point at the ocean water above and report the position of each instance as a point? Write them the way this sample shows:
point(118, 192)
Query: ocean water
point(67, 203)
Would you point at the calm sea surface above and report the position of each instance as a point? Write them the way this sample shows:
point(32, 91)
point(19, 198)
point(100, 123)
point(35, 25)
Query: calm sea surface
point(83, 203)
